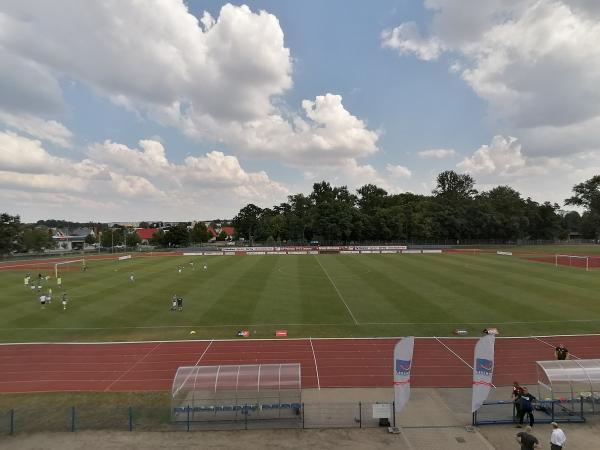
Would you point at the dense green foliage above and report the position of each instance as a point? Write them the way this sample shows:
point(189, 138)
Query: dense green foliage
point(454, 211)
point(388, 295)
point(18, 237)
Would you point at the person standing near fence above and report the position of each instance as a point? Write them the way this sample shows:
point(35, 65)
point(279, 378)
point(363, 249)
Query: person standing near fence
point(517, 391)
point(557, 438)
point(527, 440)
point(526, 407)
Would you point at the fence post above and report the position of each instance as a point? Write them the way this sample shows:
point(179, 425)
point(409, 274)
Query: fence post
point(359, 414)
point(12, 422)
point(130, 418)
point(303, 415)
point(72, 419)
point(188, 417)
point(394, 411)
point(552, 410)
point(245, 417)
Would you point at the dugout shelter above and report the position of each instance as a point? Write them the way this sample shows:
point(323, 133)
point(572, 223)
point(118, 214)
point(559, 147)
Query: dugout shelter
point(234, 393)
point(570, 381)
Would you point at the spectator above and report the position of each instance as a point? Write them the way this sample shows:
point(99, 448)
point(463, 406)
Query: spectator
point(557, 438)
point(526, 407)
point(527, 440)
point(517, 391)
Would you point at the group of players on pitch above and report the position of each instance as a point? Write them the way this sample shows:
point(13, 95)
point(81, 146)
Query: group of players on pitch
point(177, 302)
point(45, 298)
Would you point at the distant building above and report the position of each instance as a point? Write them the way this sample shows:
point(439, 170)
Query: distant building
point(146, 234)
point(66, 239)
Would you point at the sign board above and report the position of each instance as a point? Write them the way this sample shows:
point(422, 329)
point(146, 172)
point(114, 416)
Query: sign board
point(504, 253)
point(281, 333)
point(121, 258)
point(382, 411)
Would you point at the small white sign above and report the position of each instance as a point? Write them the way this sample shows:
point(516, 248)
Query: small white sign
point(382, 411)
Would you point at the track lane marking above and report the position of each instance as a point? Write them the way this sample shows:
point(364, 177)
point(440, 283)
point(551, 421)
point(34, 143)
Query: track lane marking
point(315, 360)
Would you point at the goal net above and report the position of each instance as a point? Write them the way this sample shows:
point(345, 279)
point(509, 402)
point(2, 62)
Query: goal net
point(572, 260)
point(75, 264)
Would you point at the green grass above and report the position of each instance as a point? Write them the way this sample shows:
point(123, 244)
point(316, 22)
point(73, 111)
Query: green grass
point(318, 296)
point(53, 411)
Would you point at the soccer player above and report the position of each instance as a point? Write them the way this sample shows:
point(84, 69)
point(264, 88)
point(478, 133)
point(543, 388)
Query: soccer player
point(43, 301)
point(179, 304)
point(132, 277)
point(205, 267)
point(174, 302)
point(179, 269)
point(64, 301)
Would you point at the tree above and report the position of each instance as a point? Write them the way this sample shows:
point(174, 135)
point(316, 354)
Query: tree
point(178, 236)
point(587, 195)
point(133, 239)
point(90, 239)
point(36, 239)
point(247, 221)
point(199, 233)
point(454, 186)
point(222, 236)
point(10, 233)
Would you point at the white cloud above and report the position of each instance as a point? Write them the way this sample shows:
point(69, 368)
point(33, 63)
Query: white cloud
point(47, 130)
point(398, 171)
point(437, 153)
point(133, 183)
point(534, 62)
point(217, 78)
point(502, 157)
point(406, 38)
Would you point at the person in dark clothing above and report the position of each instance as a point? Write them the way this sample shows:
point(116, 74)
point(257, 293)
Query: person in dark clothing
point(179, 303)
point(527, 440)
point(561, 352)
point(517, 391)
point(526, 407)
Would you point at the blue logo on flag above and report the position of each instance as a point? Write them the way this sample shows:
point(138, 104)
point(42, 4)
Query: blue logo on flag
point(402, 367)
point(484, 366)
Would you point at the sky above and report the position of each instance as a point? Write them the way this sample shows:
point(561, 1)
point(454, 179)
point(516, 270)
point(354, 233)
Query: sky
point(170, 110)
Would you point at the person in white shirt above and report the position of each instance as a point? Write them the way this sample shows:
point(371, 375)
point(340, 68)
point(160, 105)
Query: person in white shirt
point(557, 438)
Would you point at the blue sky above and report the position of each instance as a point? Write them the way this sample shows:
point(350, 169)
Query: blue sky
point(182, 111)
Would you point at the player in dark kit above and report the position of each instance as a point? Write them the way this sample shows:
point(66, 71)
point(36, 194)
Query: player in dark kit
point(526, 407)
point(561, 352)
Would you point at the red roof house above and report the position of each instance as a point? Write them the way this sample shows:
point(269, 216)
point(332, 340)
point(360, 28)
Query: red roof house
point(146, 234)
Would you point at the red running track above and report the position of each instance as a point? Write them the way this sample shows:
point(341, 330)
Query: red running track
point(150, 366)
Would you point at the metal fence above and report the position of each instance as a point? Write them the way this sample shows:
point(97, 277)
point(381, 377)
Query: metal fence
point(157, 418)
point(545, 411)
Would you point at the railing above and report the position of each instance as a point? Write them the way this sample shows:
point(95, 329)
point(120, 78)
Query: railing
point(187, 418)
point(545, 411)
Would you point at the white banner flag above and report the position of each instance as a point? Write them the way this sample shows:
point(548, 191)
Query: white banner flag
point(483, 370)
point(403, 353)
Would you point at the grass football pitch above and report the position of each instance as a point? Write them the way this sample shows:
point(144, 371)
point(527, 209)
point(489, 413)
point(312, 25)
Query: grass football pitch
point(308, 295)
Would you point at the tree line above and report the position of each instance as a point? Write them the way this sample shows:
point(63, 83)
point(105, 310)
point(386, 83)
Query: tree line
point(454, 211)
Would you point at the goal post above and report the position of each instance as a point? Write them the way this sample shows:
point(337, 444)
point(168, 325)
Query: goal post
point(68, 265)
point(572, 260)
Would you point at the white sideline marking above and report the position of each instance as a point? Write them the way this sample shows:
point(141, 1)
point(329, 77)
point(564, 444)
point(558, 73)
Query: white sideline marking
point(550, 345)
point(316, 367)
point(311, 324)
point(365, 338)
point(457, 355)
point(132, 367)
point(338, 292)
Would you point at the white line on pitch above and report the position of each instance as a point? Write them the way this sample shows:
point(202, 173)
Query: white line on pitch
point(338, 292)
point(132, 367)
point(316, 367)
